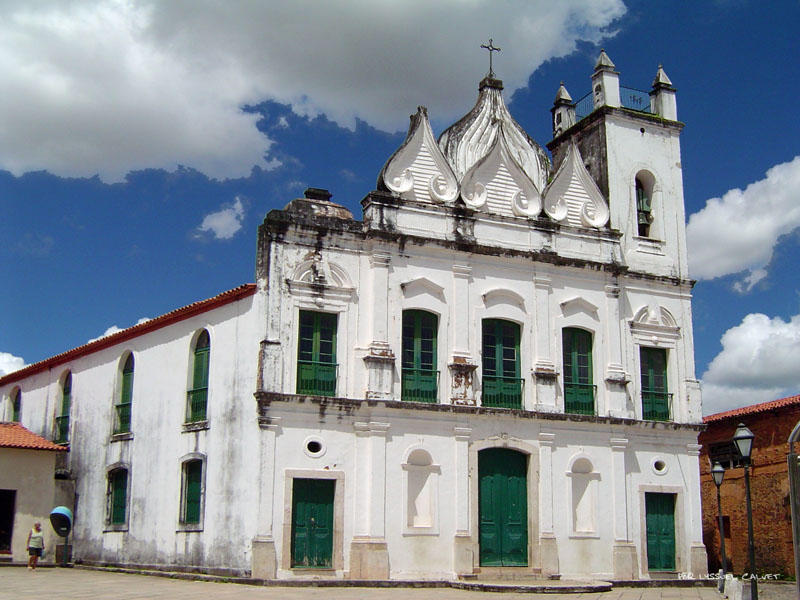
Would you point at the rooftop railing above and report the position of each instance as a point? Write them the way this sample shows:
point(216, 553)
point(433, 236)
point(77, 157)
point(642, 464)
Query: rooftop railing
point(631, 98)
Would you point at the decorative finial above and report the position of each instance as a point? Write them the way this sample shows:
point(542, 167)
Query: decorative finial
point(491, 48)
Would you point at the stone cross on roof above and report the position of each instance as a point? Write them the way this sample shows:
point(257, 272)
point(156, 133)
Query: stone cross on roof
point(491, 48)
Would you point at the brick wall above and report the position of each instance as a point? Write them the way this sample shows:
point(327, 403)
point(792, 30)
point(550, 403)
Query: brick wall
point(769, 481)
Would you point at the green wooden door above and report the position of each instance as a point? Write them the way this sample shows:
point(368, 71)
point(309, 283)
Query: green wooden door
point(316, 354)
point(655, 396)
point(660, 522)
point(312, 523)
point(503, 508)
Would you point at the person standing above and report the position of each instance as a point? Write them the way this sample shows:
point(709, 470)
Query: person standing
point(35, 545)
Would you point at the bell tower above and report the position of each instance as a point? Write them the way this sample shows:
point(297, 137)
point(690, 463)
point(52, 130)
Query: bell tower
point(628, 140)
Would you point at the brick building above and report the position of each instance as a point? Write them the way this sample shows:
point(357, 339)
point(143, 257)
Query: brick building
point(771, 423)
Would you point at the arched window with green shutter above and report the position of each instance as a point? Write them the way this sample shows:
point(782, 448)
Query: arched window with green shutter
point(62, 420)
point(123, 424)
point(502, 385)
point(198, 395)
point(16, 405)
point(420, 376)
point(117, 497)
point(578, 380)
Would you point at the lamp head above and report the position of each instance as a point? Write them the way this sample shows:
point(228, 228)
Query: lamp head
point(743, 440)
point(718, 473)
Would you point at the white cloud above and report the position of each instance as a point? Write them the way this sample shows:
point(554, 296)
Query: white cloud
point(739, 231)
point(225, 222)
point(10, 363)
point(758, 362)
point(111, 85)
point(114, 329)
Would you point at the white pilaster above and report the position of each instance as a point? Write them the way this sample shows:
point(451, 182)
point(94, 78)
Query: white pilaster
point(615, 376)
point(544, 368)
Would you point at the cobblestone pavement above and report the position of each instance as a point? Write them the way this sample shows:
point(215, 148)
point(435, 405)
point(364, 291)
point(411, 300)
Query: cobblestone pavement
point(17, 583)
point(769, 590)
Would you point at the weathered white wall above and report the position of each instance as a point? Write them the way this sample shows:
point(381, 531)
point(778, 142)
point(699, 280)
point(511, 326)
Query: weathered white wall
point(30, 473)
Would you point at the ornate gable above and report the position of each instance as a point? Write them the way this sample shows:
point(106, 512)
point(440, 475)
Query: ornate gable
point(573, 197)
point(418, 170)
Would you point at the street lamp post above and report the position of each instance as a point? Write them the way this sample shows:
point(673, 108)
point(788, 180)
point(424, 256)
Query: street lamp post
point(718, 474)
point(743, 439)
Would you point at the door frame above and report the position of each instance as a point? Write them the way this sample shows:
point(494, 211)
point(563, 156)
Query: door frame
point(681, 558)
point(532, 475)
point(337, 563)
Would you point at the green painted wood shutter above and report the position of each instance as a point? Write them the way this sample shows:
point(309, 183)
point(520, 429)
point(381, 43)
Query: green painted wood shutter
point(119, 496)
point(502, 385)
point(420, 376)
point(194, 491)
point(316, 354)
point(578, 378)
point(17, 407)
point(62, 421)
point(198, 395)
point(655, 396)
point(125, 398)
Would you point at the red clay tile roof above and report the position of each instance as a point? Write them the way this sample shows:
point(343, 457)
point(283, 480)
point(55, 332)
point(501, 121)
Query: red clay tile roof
point(14, 435)
point(755, 408)
point(179, 314)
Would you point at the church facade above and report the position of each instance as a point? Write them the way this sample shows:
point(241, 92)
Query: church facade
point(492, 370)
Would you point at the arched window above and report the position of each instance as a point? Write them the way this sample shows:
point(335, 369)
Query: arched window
point(192, 493)
point(62, 420)
point(502, 385)
point(198, 395)
point(644, 203)
point(117, 497)
point(123, 407)
point(16, 405)
point(420, 377)
point(578, 380)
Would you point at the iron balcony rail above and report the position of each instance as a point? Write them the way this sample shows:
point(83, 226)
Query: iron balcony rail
point(419, 385)
point(502, 392)
point(196, 406)
point(316, 378)
point(579, 398)
point(631, 98)
point(656, 406)
point(123, 417)
point(62, 429)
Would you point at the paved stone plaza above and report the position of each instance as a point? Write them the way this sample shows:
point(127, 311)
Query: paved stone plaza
point(17, 583)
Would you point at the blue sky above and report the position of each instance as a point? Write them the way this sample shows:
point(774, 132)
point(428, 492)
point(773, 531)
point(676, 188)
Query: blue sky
point(142, 144)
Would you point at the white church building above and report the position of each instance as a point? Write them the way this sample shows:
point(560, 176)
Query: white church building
point(492, 372)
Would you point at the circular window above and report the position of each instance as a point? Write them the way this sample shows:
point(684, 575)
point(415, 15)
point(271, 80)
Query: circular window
point(659, 466)
point(314, 447)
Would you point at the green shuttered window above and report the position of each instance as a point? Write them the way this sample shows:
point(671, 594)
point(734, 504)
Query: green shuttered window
point(192, 491)
point(578, 387)
point(420, 377)
point(198, 395)
point(16, 406)
point(502, 385)
point(118, 490)
point(316, 354)
point(123, 424)
point(62, 421)
point(655, 398)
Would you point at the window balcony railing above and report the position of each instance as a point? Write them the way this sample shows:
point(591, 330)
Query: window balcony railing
point(656, 406)
point(123, 417)
point(62, 429)
point(579, 398)
point(419, 385)
point(630, 98)
point(502, 392)
point(196, 405)
point(316, 378)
